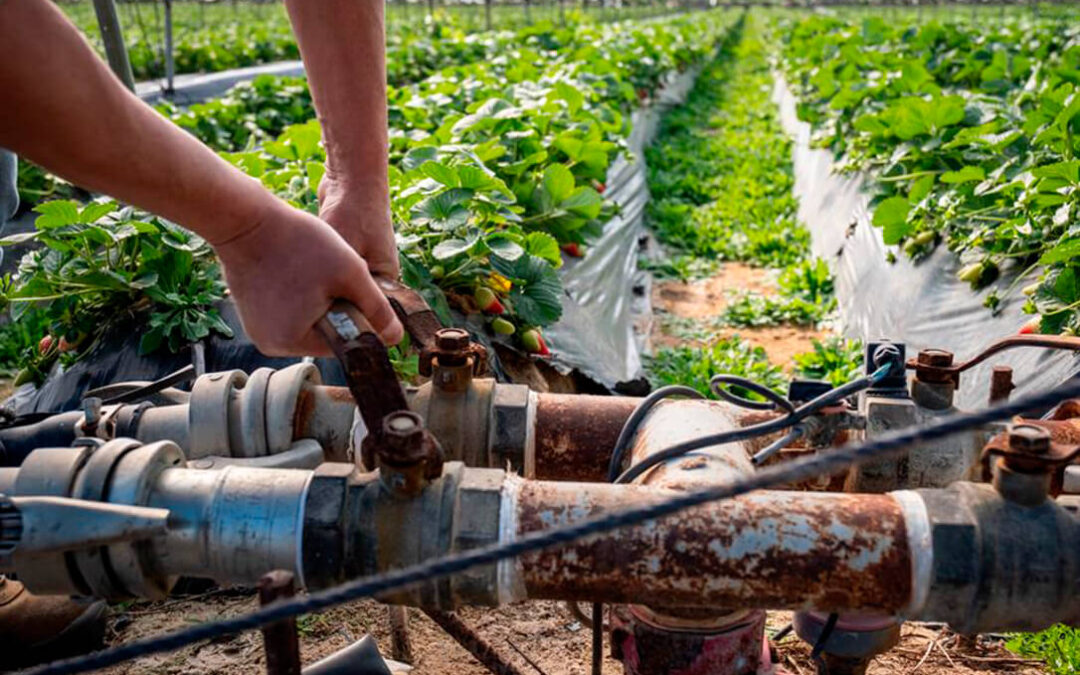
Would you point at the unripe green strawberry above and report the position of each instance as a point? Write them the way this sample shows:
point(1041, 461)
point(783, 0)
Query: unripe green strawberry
point(1031, 289)
point(503, 327)
point(970, 273)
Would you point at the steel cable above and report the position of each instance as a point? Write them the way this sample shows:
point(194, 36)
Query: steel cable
point(788, 472)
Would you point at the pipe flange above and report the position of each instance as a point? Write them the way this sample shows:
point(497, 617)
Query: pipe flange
point(50, 472)
point(282, 399)
point(133, 478)
point(248, 438)
point(208, 412)
point(92, 484)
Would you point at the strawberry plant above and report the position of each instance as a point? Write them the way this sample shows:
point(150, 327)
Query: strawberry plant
point(99, 265)
point(971, 131)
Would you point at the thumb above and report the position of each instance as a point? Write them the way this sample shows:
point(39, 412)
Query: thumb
point(360, 289)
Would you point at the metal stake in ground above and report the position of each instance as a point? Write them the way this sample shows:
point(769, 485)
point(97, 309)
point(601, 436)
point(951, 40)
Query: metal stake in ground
point(480, 648)
point(280, 639)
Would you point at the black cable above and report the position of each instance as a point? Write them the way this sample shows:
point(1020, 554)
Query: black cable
point(831, 397)
point(794, 471)
point(824, 635)
point(772, 399)
point(174, 378)
point(630, 427)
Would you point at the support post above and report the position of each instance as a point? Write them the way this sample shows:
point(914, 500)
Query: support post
point(280, 640)
point(113, 37)
point(170, 65)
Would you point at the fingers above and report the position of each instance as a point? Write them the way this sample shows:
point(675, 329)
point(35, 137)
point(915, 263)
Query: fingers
point(361, 290)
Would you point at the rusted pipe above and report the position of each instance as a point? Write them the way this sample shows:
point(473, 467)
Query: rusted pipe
point(779, 550)
point(326, 414)
point(671, 423)
point(575, 435)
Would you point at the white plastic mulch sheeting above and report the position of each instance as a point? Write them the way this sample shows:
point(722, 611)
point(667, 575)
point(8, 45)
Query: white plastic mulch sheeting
point(596, 334)
point(922, 304)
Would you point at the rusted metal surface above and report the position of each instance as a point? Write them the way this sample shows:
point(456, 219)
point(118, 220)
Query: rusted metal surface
point(950, 370)
point(770, 550)
point(672, 422)
point(400, 644)
point(1001, 384)
point(326, 415)
point(280, 639)
point(480, 648)
point(575, 435)
point(737, 648)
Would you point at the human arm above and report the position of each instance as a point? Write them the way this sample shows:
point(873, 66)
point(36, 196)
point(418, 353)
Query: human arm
point(68, 113)
point(344, 49)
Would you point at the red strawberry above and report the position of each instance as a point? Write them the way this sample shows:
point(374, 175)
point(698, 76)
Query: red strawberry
point(534, 342)
point(66, 346)
point(599, 186)
point(1032, 326)
point(488, 301)
point(573, 249)
point(45, 344)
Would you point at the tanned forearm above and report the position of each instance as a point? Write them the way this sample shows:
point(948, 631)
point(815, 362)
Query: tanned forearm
point(343, 45)
point(66, 111)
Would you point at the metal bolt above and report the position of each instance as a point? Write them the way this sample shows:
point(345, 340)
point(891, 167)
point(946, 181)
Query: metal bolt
point(452, 340)
point(92, 410)
point(402, 423)
point(935, 357)
point(1029, 438)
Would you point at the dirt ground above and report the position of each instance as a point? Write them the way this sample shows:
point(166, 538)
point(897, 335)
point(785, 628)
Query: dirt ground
point(537, 637)
point(696, 303)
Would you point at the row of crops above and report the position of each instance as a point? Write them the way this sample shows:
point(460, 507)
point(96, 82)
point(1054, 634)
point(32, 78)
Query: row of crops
point(969, 131)
point(495, 167)
point(968, 128)
point(215, 36)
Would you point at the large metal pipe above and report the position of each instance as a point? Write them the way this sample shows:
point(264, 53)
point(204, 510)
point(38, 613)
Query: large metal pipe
point(779, 550)
point(575, 435)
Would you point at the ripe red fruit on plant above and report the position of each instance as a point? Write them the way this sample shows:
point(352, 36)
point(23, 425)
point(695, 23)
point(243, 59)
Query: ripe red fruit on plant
point(1031, 326)
point(573, 249)
point(534, 342)
point(66, 346)
point(45, 344)
point(599, 186)
point(488, 301)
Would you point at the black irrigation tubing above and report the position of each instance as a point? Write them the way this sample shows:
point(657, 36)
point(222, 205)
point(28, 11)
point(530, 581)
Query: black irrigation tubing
point(789, 472)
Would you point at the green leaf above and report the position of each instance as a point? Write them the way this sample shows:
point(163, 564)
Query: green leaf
point(967, 174)
point(536, 294)
point(57, 213)
point(891, 216)
point(558, 183)
point(441, 173)
point(585, 202)
point(94, 211)
point(449, 248)
point(574, 98)
point(1062, 252)
point(1068, 171)
point(444, 211)
point(504, 247)
point(543, 245)
point(920, 188)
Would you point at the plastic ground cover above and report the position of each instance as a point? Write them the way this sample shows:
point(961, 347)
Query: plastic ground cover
point(922, 304)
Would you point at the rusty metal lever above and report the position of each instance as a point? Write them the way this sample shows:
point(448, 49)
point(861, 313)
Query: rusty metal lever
point(397, 443)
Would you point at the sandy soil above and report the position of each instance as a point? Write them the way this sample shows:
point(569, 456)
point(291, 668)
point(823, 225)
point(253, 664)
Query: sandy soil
point(700, 302)
point(537, 637)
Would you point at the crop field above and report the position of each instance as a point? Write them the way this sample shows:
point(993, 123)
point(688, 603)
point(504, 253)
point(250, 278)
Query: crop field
point(962, 124)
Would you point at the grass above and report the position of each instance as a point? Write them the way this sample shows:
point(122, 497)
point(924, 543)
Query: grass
point(720, 172)
point(1057, 646)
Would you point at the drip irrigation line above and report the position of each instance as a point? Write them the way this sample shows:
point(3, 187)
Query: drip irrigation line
point(796, 470)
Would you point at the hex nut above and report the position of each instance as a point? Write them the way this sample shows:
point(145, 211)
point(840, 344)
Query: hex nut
point(452, 340)
point(1029, 438)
